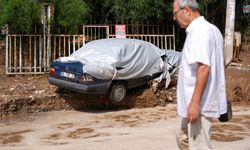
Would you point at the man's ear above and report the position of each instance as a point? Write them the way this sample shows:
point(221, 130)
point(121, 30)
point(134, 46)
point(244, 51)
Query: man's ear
point(188, 11)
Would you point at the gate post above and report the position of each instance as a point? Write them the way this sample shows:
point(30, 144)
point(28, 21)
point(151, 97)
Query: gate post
point(229, 31)
point(48, 38)
point(6, 50)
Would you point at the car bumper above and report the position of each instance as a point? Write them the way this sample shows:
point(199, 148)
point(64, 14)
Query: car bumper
point(100, 88)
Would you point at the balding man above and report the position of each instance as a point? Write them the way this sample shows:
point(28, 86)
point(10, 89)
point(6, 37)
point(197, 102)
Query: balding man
point(201, 93)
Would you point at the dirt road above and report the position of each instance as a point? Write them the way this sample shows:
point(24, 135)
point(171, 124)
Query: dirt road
point(140, 129)
point(34, 116)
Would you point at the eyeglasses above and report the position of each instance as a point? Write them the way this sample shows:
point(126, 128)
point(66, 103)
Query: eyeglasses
point(175, 13)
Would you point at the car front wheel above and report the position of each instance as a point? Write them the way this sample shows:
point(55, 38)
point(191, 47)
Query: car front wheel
point(117, 93)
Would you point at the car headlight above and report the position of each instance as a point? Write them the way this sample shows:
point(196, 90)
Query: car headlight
point(86, 78)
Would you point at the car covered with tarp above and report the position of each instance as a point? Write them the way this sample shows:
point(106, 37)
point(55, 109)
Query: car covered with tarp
point(111, 66)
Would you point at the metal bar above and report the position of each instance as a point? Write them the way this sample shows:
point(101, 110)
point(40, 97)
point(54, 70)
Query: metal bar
point(78, 41)
point(48, 39)
point(64, 45)
point(6, 51)
point(69, 45)
point(83, 40)
point(74, 43)
point(35, 61)
point(91, 33)
point(158, 41)
point(20, 54)
point(10, 58)
point(95, 33)
point(174, 37)
point(59, 49)
point(162, 46)
point(107, 32)
point(84, 34)
point(170, 43)
point(40, 53)
point(48, 51)
point(24, 73)
point(54, 52)
point(90, 26)
point(15, 54)
point(166, 43)
point(30, 64)
point(87, 34)
point(99, 33)
point(44, 49)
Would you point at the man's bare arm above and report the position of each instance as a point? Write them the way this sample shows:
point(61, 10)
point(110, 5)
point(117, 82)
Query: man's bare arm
point(201, 82)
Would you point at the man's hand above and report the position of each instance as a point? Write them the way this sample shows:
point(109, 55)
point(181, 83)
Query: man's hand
point(193, 112)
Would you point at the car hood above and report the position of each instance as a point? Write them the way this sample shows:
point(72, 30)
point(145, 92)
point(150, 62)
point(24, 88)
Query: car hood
point(118, 58)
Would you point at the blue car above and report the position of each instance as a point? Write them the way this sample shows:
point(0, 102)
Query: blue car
point(109, 66)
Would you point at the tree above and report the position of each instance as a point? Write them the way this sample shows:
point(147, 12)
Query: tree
point(69, 14)
point(242, 20)
point(139, 10)
point(20, 15)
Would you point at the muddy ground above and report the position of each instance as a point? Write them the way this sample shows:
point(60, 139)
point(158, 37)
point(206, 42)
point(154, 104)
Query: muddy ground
point(137, 128)
point(33, 93)
point(36, 115)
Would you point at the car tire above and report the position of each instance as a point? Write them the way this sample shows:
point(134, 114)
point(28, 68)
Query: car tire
point(60, 90)
point(117, 93)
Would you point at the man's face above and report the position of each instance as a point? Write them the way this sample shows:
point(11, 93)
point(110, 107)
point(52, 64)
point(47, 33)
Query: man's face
point(179, 15)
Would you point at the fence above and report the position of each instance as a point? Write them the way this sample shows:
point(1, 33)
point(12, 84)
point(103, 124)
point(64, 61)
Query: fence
point(32, 54)
point(162, 36)
point(25, 53)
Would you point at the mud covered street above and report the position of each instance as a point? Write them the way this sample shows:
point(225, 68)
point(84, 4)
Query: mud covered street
point(141, 129)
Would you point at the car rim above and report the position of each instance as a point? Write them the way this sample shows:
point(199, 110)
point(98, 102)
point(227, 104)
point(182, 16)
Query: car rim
point(119, 93)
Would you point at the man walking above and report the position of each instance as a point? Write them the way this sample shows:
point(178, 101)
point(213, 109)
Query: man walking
point(201, 93)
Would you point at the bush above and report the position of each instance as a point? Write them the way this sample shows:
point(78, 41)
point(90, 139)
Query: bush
point(20, 15)
point(139, 10)
point(70, 14)
point(242, 21)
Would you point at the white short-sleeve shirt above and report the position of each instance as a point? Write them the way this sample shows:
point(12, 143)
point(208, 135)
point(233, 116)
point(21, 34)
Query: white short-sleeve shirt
point(204, 44)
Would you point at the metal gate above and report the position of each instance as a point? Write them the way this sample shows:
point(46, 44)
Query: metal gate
point(25, 54)
point(32, 54)
point(94, 32)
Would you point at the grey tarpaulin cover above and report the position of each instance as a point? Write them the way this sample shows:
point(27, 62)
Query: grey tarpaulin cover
point(118, 58)
point(171, 65)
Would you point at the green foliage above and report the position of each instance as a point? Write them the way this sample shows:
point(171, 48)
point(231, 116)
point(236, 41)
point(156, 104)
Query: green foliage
point(203, 6)
point(139, 10)
point(242, 20)
point(20, 15)
point(70, 14)
point(100, 11)
point(103, 11)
